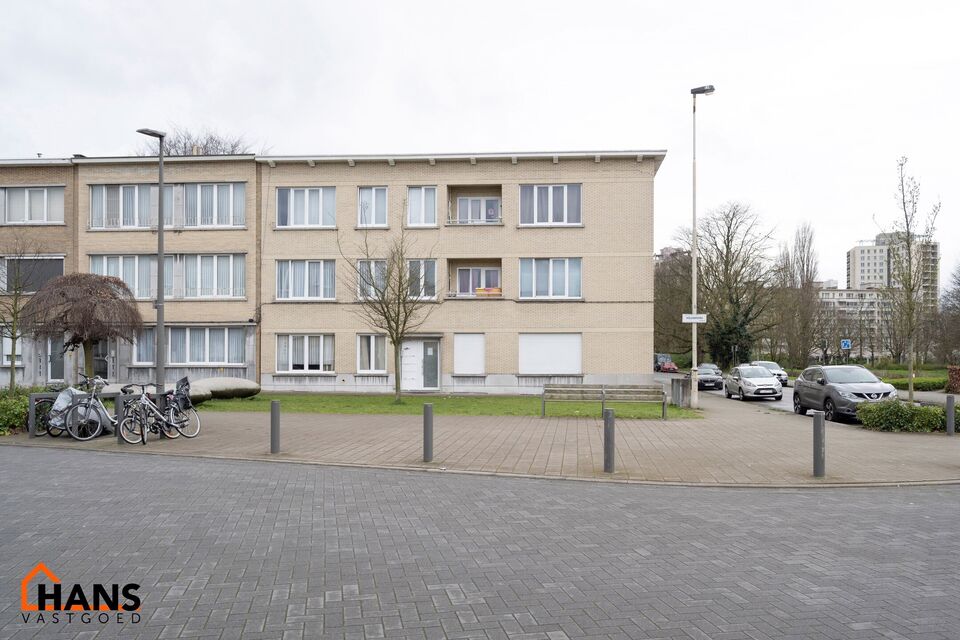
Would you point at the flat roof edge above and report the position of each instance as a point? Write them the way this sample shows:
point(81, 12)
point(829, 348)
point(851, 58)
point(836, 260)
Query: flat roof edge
point(414, 157)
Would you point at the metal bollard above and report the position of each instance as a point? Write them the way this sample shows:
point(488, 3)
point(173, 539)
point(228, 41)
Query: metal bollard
point(274, 426)
point(119, 411)
point(819, 445)
point(427, 432)
point(32, 416)
point(951, 415)
point(608, 440)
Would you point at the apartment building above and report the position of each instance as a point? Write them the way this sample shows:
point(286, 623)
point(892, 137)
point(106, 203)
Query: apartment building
point(870, 265)
point(537, 267)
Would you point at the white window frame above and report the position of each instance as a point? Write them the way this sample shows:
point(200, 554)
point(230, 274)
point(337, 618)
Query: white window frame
point(306, 213)
point(6, 344)
point(483, 280)
point(136, 344)
point(423, 262)
point(373, 337)
point(3, 271)
point(423, 207)
point(136, 272)
point(361, 293)
point(27, 189)
point(206, 347)
point(216, 275)
point(177, 217)
point(325, 264)
point(550, 295)
point(483, 214)
point(386, 207)
point(566, 205)
point(459, 358)
point(289, 337)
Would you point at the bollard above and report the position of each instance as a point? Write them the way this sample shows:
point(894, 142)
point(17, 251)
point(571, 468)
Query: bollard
point(427, 432)
point(32, 416)
point(819, 445)
point(274, 426)
point(608, 440)
point(951, 415)
point(119, 411)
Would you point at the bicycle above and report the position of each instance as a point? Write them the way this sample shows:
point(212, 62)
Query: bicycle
point(84, 420)
point(44, 413)
point(178, 418)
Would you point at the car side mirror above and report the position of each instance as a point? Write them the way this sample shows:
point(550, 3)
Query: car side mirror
point(735, 377)
point(821, 381)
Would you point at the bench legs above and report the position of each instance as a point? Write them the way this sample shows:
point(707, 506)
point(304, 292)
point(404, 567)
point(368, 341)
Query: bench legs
point(543, 406)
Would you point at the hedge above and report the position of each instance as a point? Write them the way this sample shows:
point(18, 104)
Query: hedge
point(13, 412)
point(919, 384)
point(893, 415)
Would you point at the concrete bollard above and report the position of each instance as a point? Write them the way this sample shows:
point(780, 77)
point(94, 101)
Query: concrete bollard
point(819, 445)
point(274, 426)
point(951, 415)
point(609, 445)
point(427, 432)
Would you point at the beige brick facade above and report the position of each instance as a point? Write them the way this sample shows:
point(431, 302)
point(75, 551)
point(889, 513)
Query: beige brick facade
point(614, 241)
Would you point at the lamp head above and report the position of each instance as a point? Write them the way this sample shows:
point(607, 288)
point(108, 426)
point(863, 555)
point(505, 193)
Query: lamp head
point(702, 91)
point(153, 133)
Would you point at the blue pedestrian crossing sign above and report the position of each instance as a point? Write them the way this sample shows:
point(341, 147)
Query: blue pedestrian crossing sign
point(846, 344)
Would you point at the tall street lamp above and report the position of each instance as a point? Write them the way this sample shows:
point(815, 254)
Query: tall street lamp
point(694, 251)
point(159, 353)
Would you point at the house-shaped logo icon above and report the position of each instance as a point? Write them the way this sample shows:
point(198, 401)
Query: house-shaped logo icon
point(41, 568)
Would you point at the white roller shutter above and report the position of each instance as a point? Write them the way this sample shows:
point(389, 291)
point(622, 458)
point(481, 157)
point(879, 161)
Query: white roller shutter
point(468, 354)
point(550, 353)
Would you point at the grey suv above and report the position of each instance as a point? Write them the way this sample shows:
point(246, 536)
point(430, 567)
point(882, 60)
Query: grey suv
point(838, 390)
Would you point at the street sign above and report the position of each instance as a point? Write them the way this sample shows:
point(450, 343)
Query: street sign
point(846, 344)
point(695, 318)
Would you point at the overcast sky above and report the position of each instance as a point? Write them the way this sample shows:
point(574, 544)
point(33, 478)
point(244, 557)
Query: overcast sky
point(815, 101)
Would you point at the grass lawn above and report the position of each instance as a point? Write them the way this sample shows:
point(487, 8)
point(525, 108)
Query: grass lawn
point(442, 405)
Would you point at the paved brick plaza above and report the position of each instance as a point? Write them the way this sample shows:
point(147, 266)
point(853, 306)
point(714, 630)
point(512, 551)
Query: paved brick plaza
point(230, 549)
point(737, 443)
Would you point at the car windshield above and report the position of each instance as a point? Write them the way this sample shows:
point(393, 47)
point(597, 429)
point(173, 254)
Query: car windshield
point(754, 372)
point(709, 370)
point(769, 365)
point(848, 375)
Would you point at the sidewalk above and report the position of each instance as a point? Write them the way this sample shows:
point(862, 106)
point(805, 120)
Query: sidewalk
point(735, 444)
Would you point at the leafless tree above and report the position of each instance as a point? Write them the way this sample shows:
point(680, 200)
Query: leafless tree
point(671, 301)
point(184, 142)
point(798, 299)
point(947, 322)
point(911, 236)
point(18, 273)
point(86, 308)
point(392, 293)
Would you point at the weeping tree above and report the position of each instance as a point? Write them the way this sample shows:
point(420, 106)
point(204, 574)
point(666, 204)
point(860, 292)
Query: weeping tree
point(85, 308)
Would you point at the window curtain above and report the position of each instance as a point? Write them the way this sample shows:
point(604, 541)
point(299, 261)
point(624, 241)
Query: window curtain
point(463, 209)
point(329, 206)
point(573, 204)
point(283, 353)
point(526, 278)
point(492, 278)
point(178, 345)
point(223, 204)
point(283, 279)
point(463, 281)
point(380, 195)
point(206, 276)
point(96, 265)
point(329, 279)
point(283, 199)
point(559, 277)
point(430, 205)
point(37, 206)
point(416, 289)
point(315, 279)
point(224, 275)
point(313, 206)
point(113, 266)
point(190, 205)
point(558, 204)
point(296, 353)
point(573, 276)
point(314, 352)
point(168, 276)
point(96, 206)
point(129, 206)
point(366, 278)
point(299, 206)
point(328, 353)
point(543, 204)
point(206, 204)
point(112, 207)
point(190, 276)
point(54, 204)
point(299, 268)
point(415, 205)
point(130, 273)
point(365, 364)
point(526, 204)
point(198, 344)
point(145, 275)
point(542, 267)
point(168, 205)
point(239, 204)
point(239, 275)
point(218, 345)
point(430, 278)
point(366, 206)
point(143, 205)
point(16, 205)
point(145, 346)
point(237, 339)
point(380, 363)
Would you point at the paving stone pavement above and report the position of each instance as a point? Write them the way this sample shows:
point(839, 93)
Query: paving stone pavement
point(231, 549)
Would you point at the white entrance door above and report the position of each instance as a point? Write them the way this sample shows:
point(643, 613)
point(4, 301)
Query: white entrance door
point(420, 365)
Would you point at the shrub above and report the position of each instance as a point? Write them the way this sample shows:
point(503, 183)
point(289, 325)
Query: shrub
point(953, 379)
point(893, 415)
point(13, 412)
point(919, 384)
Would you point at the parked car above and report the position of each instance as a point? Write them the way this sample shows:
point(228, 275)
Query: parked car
point(709, 378)
point(668, 367)
point(748, 381)
point(775, 369)
point(838, 390)
point(659, 359)
point(709, 365)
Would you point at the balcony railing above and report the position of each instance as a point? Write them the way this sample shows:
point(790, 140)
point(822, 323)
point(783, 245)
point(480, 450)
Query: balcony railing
point(482, 221)
point(480, 292)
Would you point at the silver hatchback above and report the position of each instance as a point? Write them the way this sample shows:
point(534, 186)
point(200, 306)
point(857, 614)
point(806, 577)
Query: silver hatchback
point(748, 381)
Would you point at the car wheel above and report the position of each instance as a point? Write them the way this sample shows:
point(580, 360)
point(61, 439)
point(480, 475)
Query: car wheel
point(798, 407)
point(829, 410)
point(726, 393)
point(743, 396)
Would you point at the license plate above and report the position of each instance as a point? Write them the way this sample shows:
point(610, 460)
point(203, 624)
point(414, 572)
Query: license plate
point(764, 390)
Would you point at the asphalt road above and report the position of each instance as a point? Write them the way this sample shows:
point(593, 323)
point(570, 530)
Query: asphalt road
point(785, 404)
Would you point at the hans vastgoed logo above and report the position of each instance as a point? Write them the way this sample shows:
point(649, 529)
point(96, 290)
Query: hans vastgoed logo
point(44, 599)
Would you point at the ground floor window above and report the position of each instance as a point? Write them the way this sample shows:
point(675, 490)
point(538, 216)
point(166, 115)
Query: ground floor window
point(550, 354)
point(304, 353)
point(372, 354)
point(469, 354)
point(6, 351)
point(195, 346)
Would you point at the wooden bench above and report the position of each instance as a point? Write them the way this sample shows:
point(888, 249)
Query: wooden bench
point(603, 393)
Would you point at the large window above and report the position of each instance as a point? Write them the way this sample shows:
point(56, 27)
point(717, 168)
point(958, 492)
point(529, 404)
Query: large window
point(144, 346)
point(372, 207)
point(469, 354)
point(550, 354)
point(550, 204)
point(31, 205)
point(422, 206)
point(185, 275)
point(184, 205)
point(297, 353)
point(472, 279)
point(372, 354)
point(206, 345)
point(306, 207)
point(371, 278)
point(6, 351)
point(478, 210)
point(306, 279)
point(28, 275)
point(423, 278)
point(550, 278)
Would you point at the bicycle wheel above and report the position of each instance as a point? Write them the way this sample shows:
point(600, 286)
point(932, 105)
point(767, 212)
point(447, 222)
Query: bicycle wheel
point(131, 430)
point(186, 421)
point(168, 429)
point(41, 424)
point(83, 422)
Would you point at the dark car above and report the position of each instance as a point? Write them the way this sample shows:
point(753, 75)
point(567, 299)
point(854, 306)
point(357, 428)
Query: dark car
point(709, 378)
point(709, 365)
point(838, 390)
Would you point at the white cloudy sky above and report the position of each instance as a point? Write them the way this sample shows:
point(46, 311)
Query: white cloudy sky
point(815, 100)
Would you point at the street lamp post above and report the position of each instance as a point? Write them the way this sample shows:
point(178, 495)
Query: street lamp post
point(694, 252)
point(159, 354)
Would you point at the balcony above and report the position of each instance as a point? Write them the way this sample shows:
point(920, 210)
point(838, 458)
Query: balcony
point(475, 279)
point(474, 205)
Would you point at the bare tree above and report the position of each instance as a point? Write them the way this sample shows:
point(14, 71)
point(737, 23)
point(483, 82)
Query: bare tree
point(393, 289)
point(86, 308)
point(909, 288)
point(184, 142)
point(671, 300)
point(947, 322)
point(19, 273)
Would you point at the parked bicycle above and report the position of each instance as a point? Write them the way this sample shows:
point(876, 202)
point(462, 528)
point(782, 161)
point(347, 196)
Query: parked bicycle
point(83, 419)
point(178, 418)
point(43, 412)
